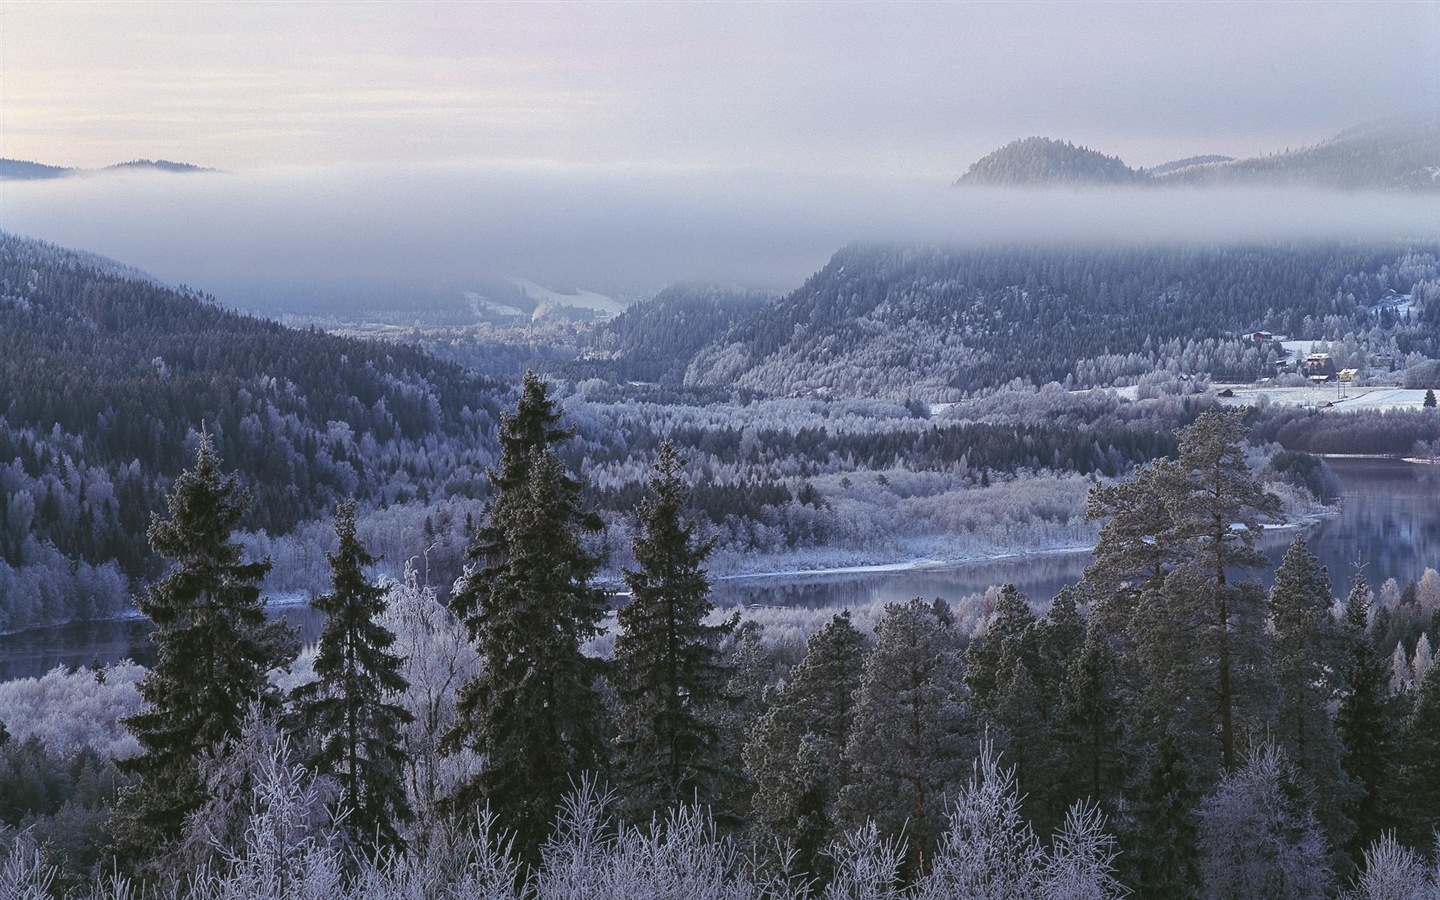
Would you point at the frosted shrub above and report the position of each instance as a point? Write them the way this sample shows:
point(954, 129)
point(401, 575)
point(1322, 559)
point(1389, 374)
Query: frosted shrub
point(23, 874)
point(283, 854)
point(1257, 839)
point(867, 866)
point(1395, 872)
point(677, 856)
point(69, 711)
point(989, 851)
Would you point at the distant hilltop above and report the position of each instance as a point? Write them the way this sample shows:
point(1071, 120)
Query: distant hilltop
point(1394, 155)
point(23, 170)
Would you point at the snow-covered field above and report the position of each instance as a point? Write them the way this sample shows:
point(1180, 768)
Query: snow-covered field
point(1333, 396)
point(581, 299)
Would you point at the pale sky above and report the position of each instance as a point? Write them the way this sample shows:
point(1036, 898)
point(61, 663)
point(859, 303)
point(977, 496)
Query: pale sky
point(912, 90)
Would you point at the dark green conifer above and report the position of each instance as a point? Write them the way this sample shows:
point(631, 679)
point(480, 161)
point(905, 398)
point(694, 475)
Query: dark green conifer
point(796, 750)
point(535, 713)
point(347, 716)
point(910, 745)
point(1418, 802)
point(215, 647)
point(1366, 721)
point(1308, 661)
point(669, 676)
point(1093, 718)
point(1160, 855)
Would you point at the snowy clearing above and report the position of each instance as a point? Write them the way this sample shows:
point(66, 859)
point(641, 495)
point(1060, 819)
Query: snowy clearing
point(1332, 396)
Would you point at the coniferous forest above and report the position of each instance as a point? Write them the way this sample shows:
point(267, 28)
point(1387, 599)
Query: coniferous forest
point(719, 451)
point(1165, 728)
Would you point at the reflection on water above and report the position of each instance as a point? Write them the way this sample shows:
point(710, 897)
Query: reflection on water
point(1390, 522)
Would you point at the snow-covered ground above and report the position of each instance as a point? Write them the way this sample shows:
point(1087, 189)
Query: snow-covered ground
point(1333, 396)
point(581, 299)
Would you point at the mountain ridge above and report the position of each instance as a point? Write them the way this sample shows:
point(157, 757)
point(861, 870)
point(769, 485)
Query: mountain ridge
point(26, 170)
point(1392, 155)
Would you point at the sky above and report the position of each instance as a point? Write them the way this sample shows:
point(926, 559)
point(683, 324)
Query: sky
point(903, 90)
point(385, 155)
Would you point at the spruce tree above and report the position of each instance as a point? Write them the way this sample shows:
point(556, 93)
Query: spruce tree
point(796, 750)
point(214, 648)
point(348, 717)
point(1307, 655)
point(1419, 757)
point(1160, 853)
point(909, 748)
point(1365, 722)
point(668, 674)
point(1092, 721)
point(535, 711)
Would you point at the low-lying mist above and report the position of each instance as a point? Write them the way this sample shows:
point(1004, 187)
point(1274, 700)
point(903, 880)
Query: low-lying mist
point(361, 238)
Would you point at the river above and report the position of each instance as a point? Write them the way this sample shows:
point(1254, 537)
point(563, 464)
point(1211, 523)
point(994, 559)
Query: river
point(1389, 521)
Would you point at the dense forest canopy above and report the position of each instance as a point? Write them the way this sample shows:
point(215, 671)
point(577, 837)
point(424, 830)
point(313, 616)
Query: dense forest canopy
point(937, 323)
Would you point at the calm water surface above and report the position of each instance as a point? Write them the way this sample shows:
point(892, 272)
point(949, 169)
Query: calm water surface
point(1390, 523)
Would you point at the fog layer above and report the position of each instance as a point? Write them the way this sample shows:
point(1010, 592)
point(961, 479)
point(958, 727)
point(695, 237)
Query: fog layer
point(382, 237)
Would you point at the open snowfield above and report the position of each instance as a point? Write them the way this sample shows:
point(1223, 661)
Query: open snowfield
point(1333, 396)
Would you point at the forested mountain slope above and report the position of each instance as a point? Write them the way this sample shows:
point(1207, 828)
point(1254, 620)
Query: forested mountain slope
point(930, 323)
point(104, 375)
point(655, 339)
point(1385, 155)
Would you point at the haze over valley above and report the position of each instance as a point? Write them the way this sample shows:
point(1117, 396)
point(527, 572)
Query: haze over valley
point(778, 451)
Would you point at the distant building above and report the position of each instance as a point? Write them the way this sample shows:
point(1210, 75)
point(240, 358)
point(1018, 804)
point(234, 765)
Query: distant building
point(1348, 375)
point(1259, 337)
point(1319, 365)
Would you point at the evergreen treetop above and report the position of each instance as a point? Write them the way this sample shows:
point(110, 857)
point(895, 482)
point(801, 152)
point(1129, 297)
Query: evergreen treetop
point(215, 647)
point(349, 712)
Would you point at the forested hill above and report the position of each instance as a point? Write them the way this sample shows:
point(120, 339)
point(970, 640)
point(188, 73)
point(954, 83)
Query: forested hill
point(23, 170)
point(106, 376)
point(928, 323)
point(1387, 155)
point(1391, 155)
point(655, 339)
point(1038, 160)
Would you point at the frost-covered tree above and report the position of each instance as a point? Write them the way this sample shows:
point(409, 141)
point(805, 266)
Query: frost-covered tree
point(908, 747)
point(437, 659)
point(534, 713)
point(350, 721)
point(1259, 837)
point(215, 647)
point(795, 752)
point(669, 676)
point(1422, 660)
point(1308, 661)
point(1393, 871)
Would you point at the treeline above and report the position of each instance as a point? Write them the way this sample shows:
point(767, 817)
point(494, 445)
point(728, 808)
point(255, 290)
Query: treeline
point(108, 379)
point(1395, 432)
point(1166, 727)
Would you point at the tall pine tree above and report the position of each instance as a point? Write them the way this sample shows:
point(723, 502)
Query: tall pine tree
point(668, 674)
point(535, 712)
point(348, 716)
point(1307, 655)
point(214, 646)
